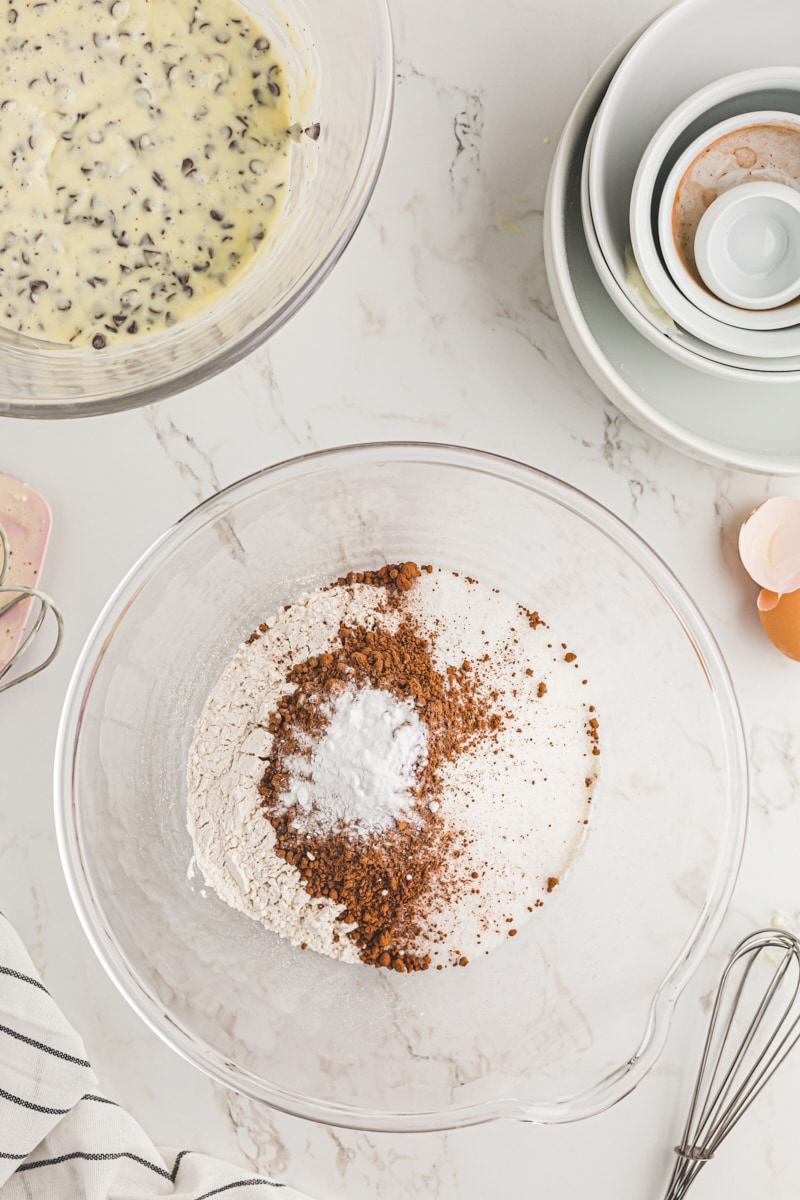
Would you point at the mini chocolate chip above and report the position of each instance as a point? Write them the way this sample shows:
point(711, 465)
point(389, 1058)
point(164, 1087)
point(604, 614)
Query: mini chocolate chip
point(99, 341)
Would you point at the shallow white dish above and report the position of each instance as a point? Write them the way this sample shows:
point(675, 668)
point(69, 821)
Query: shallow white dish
point(702, 41)
point(660, 330)
point(747, 248)
point(713, 330)
point(747, 425)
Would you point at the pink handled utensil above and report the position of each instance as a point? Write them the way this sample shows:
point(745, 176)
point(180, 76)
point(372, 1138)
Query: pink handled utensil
point(24, 534)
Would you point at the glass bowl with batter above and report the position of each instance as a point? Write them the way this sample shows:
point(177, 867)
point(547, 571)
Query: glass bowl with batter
point(554, 1024)
point(278, 191)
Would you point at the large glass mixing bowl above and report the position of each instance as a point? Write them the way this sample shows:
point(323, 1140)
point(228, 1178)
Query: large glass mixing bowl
point(557, 1023)
point(339, 58)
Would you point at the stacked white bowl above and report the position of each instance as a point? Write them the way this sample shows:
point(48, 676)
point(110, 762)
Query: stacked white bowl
point(703, 242)
point(675, 194)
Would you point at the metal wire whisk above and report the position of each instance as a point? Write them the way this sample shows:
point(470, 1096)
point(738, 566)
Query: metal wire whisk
point(10, 596)
point(754, 1025)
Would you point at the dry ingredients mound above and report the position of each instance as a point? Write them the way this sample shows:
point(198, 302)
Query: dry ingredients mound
point(364, 776)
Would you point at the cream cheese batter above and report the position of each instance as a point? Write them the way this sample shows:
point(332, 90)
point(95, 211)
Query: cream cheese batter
point(145, 151)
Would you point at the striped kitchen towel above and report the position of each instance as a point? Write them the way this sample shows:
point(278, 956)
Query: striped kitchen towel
point(60, 1138)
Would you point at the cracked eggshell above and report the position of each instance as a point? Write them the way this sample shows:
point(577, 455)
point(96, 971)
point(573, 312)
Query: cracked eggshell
point(769, 547)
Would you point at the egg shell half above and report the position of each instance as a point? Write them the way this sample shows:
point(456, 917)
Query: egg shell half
point(769, 544)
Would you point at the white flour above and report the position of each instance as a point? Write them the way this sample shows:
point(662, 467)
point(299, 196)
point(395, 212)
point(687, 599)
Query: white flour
point(234, 844)
point(522, 801)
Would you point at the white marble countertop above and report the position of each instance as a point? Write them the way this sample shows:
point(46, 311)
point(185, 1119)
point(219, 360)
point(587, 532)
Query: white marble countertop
point(437, 325)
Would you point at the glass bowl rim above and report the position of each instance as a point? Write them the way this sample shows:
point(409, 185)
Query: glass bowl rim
point(588, 1102)
point(234, 351)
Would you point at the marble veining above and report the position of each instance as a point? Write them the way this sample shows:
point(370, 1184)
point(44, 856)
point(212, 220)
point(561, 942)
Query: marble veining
point(437, 324)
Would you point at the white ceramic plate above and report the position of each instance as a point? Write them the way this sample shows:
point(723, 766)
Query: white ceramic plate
point(688, 46)
point(753, 426)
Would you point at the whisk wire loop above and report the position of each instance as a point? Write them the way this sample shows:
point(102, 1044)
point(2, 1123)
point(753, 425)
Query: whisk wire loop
point(755, 1023)
point(737, 1103)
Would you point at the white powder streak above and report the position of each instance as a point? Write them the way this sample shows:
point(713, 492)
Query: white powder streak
point(363, 770)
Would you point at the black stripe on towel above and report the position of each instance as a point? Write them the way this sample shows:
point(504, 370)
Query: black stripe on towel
point(110, 1157)
point(56, 1112)
point(227, 1187)
point(177, 1162)
point(81, 1062)
point(5, 1154)
point(89, 1157)
point(100, 1099)
point(24, 978)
